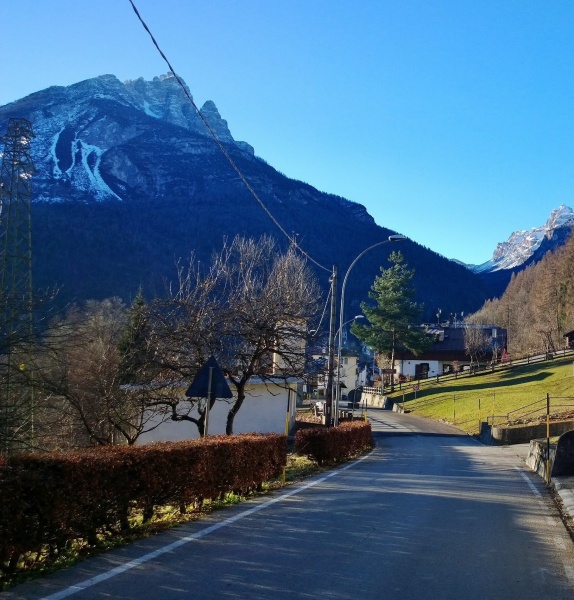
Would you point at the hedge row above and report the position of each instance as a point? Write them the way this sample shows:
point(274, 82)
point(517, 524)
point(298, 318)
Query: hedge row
point(47, 501)
point(334, 444)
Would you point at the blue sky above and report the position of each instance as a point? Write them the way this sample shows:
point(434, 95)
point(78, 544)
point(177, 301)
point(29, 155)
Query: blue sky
point(451, 121)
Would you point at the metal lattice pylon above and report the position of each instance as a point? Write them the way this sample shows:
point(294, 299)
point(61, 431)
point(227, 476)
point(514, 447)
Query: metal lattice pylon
point(16, 404)
point(15, 218)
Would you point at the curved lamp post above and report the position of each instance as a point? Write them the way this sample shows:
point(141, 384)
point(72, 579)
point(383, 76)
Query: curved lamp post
point(391, 238)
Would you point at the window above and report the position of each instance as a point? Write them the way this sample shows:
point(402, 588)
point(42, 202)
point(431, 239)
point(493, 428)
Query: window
point(422, 371)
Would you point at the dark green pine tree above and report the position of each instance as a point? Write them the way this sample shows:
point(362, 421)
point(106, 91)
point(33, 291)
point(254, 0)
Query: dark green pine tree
point(393, 321)
point(133, 344)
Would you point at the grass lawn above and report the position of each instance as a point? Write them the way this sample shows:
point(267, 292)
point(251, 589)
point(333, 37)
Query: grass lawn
point(514, 394)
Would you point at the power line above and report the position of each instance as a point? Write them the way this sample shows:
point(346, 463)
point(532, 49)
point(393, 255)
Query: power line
point(324, 308)
point(220, 145)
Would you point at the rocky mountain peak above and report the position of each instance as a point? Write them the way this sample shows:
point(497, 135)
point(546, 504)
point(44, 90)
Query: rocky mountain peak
point(87, 132)
point(559, 217)
point(523, 245)
point(162, 98)
point(211, 115)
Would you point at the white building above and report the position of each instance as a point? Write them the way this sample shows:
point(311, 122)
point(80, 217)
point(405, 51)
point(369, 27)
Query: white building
point(348, 372)
point(269, 407)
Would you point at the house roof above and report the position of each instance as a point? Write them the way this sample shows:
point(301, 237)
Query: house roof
point(449, 343)
point(348, 353)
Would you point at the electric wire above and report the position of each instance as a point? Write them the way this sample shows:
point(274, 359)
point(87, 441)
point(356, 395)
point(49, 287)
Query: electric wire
point(324, 310)
point(220, 145)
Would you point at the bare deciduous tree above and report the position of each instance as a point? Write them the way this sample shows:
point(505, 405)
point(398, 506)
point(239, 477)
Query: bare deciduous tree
point(185, 328)
point(108, 374)
point(476, 343)
point(78, 378)
point(272, 296)
point(249, 309)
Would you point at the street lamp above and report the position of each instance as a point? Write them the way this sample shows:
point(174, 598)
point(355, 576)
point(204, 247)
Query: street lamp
point(391, 238)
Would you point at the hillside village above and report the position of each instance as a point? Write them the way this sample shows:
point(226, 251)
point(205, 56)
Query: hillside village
point(218, 381)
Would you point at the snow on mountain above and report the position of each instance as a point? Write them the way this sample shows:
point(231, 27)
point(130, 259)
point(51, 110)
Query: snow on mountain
point(129, 182)
point(522, 245)
point(82, 132)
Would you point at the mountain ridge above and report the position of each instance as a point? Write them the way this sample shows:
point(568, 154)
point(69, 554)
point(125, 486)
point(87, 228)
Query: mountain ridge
point(524, 248)
point(522, 245)
point(129, 182)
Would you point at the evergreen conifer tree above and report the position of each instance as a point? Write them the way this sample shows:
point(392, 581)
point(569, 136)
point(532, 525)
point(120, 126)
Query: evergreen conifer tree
point(133, 345)
point(392, 322)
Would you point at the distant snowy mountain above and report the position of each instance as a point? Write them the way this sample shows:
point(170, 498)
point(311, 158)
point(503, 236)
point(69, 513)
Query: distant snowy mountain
point(523, 247)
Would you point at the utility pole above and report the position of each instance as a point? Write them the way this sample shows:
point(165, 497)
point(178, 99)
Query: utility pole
point(331, 359)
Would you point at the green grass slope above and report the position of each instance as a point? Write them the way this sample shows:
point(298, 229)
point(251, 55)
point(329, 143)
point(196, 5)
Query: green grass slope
point(515, 395)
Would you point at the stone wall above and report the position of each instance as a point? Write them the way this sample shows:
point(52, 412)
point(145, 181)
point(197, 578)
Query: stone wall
point(537, 458)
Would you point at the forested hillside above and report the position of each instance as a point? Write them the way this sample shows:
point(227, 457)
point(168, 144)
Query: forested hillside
point(538, 304)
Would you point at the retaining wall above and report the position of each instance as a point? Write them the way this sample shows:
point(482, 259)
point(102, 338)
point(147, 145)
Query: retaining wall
point(538, 455)
point(523, 435)
point(375, 400)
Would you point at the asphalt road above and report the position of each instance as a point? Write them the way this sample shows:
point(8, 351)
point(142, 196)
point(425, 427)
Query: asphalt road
point(429, 514)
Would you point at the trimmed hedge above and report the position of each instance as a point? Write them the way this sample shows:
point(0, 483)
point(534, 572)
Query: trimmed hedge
point(48, 501)
point(334, 444)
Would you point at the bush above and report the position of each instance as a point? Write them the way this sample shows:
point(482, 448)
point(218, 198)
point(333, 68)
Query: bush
point(334, 444)
point(47, 501)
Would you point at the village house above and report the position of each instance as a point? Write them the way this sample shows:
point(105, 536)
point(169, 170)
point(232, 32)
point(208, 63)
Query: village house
point(568, 340)
point(348, 373)
point(448, 353)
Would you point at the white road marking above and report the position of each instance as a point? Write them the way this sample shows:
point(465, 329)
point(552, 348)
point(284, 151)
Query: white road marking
point(530, 484)
point(74, 589)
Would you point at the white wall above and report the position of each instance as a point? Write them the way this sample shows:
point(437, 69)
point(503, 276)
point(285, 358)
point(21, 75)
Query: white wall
point(408, 367)
point(348, 373)
point(263, 411)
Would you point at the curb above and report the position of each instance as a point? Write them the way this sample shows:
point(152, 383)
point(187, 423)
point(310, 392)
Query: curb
point(566, 495)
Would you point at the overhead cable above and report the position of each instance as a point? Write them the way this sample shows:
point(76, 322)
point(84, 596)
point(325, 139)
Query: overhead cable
point(220, 145)
point(324, 309)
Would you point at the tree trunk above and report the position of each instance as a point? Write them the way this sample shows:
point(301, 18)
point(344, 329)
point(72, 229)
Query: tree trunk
point(235, 408)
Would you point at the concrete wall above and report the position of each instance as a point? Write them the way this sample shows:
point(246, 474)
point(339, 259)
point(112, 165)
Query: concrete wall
point(375, 399)
point(561, 456)
point(523, 435)
point(537, 458)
